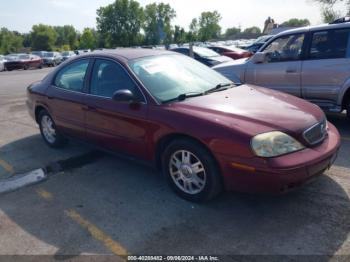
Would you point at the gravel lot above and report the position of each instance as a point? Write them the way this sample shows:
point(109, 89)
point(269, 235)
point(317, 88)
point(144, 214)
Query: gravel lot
point(109, 205)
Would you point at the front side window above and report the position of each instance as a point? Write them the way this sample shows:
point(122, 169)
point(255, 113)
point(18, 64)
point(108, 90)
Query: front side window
point(109, 77)
point(329, 44)
point(72, 76)
point(168, 76)
point(285, 48)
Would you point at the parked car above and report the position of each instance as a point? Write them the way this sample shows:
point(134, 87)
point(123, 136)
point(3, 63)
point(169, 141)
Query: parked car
point(203, 55)
point(202, 131)
point(312, 63)
point(39, 53)
point(52, 58)
point(2, 63)
point(67, 54)
point(258, 43)
point(22, 61)
point(231, 51)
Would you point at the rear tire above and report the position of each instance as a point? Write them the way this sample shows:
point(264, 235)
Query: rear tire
point(191, 170)
point(49, 132)
point(348, 110)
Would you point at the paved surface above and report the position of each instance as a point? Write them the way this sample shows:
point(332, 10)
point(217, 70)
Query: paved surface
point(111, 206)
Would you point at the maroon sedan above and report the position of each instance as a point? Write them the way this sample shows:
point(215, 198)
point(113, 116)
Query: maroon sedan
point(202, 131)
point(231, 51)
point(23, 61)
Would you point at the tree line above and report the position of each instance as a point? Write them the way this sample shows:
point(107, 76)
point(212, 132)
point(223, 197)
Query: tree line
point(126, 23)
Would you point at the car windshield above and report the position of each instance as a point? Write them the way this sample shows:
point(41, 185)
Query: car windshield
point(65, 53)
point(204, 52)
point(169, 76)
point(48, 54)
point(23, 57)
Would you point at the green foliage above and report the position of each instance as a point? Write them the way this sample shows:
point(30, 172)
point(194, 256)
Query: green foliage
point(66, 35)
point(192, 34)
point(329, 14)
point(179, 35)
point(157, 23)
point(43, 37)
point(233, 31)
point(120, 23)
point(295, 22)
point(87, 39)
point(209, 27)
point(10, 41)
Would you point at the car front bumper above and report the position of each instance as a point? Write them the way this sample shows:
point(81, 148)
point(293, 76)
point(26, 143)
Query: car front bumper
point(282, 173)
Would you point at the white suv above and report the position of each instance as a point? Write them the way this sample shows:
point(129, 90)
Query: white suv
point(312, 63)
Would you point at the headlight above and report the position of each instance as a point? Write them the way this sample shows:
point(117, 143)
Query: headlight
point(274, 144)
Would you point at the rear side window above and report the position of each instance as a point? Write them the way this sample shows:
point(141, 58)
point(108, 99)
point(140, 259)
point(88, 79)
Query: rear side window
point(330, 44)
point(72, 76)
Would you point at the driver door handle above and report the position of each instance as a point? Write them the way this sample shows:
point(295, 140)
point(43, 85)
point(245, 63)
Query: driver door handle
point(89, 108)
point(291, 71)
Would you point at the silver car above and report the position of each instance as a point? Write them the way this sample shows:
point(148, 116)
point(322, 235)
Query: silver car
point(311, 62)
point(2, 63)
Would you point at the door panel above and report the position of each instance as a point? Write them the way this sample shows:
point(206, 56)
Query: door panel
point(67, 111)
point(117, 126)
point(283, 76)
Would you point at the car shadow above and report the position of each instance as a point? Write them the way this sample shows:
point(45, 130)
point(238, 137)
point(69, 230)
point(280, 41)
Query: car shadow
point(131, 203)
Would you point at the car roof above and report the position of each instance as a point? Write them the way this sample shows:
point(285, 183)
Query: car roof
point(315, 28)
point(127, 53)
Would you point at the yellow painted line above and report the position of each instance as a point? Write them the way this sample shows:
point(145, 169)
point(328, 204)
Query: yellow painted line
point(98, 234)
point(6, 166)
point(346, 138)
point(44, 194)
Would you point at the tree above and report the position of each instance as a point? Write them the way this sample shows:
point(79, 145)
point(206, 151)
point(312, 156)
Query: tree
point(66, 35)
point(157, 23)
point(295, 22)
point(179, 35)
point(329, 14)
point(209, 27)
point(120, 22)
point(10, 41)
point(192, 34)
point(87, 39)
point(43, 37)
point(233, 31)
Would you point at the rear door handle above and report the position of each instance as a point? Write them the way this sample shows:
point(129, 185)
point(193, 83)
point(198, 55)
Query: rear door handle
point(89, 108)
point(291, 71)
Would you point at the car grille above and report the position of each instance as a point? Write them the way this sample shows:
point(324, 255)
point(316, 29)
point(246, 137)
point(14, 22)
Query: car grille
point(317, 133)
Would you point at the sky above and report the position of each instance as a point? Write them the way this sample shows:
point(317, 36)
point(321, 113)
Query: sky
point(20, 15)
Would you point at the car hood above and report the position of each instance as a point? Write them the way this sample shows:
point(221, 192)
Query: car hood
point(221, 59)
point(233, 70)
point(254, 110)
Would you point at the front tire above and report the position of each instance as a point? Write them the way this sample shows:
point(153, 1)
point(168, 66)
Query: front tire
point(348, 110)
point(49, 132)
point(191, 170)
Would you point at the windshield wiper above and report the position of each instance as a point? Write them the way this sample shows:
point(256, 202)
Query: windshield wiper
point(219, 87)
point(183, 97)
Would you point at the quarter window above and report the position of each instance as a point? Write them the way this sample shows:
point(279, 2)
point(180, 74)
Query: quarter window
point(285, 48)
point(329, 44)
point(109, 77)
point(72, 76)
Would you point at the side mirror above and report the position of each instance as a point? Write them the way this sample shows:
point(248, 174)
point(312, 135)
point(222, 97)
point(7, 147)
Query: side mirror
point(259, 58)
point(123, 95)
